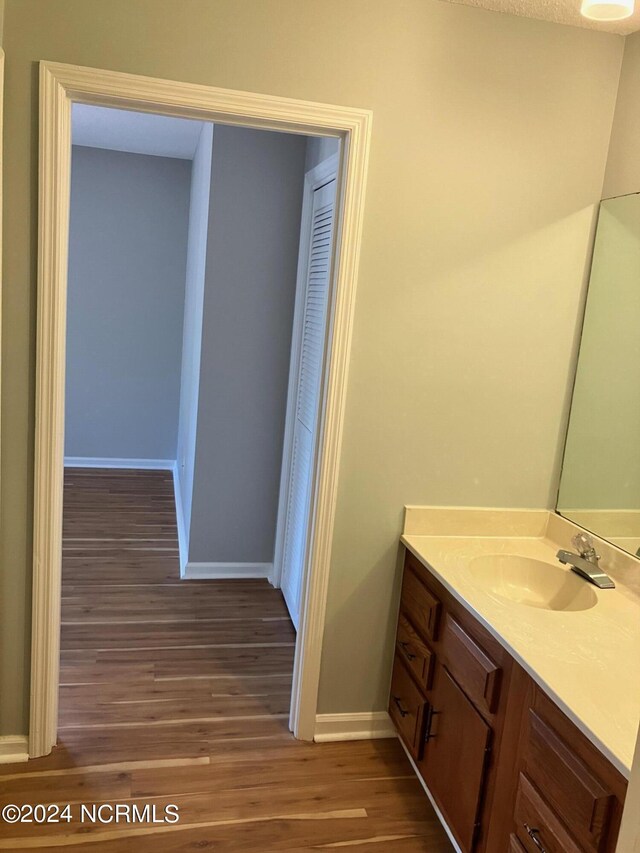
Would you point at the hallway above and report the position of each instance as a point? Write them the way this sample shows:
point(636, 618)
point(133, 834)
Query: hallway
point(177, 692)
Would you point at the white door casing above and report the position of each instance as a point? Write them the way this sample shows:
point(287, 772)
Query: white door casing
point(308, 350)
point(61, 86)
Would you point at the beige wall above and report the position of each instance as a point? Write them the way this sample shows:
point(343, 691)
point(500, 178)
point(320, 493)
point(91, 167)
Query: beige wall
point(623, 166)
point(489, 143)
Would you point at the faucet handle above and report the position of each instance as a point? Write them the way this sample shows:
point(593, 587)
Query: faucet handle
point(583, 543)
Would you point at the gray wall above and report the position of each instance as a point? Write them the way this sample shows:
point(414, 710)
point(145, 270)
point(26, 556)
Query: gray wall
point(252, 252)
point(319, 148)
point(192, 334)
point(127, 258)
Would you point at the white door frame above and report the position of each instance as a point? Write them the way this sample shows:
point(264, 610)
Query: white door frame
point(60, 86)
point(316, 177)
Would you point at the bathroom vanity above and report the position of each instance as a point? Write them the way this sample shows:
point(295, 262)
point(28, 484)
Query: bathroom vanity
point(508, 692)
point(516, 683)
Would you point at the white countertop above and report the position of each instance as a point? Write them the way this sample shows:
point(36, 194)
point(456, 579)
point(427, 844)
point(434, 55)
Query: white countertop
point(587, 661)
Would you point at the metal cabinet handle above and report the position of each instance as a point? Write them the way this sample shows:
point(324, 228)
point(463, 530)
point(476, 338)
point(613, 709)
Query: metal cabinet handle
point(403, 713)
point(533, 834)
point(431, 713)
point(409, 655)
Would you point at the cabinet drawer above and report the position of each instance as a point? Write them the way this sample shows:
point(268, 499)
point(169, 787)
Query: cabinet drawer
point(515, 846)
point(538, 828)
point(472, 668)
point(414, 652)
point(568, 785)
point(419, 604)
point(407, 708)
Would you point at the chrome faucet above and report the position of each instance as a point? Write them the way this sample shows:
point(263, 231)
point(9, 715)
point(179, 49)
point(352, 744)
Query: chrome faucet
point(585, 562)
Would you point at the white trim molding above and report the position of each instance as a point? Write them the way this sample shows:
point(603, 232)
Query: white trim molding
point(60, 87)
point(1, 171)
point(227, 571)
point(183, 538)
point(371, 725)
point(14, 749)
point(112, 462)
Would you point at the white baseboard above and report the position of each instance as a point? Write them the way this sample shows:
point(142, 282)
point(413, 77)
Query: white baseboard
point(183, 539)
point(229, 571)
point(109, 462)
point(439, 814)
point(366, 726)
point(14, 749)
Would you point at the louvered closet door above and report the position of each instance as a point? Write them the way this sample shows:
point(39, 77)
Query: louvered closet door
point(308, 394)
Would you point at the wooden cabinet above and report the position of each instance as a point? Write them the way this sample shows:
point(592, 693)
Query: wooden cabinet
point(510, 773)
point(569, 785)
point(456, 746)
point(515, 846)
point(578, 792)
point(537, 826)
point(414, 652)
point(407, 709)
point(422, 608)
point(473, 669)
point(447, 701)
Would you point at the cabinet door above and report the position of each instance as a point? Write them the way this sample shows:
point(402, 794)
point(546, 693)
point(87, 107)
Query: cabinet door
point(453, 767)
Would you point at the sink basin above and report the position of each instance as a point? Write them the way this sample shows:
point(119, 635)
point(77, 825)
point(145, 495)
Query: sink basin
point(535, 583)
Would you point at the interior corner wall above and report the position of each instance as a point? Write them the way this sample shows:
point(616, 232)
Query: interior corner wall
point(623, 164)
point(489, 143)
point(192, 330)
point(125, 302)
point(320, 148)
point(257, 180)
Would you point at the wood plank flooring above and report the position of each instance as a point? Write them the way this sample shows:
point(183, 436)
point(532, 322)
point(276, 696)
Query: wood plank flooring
point(177, 692)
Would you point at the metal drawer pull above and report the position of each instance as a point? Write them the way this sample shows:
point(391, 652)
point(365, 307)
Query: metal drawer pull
point(533, 835)
point(403, 713)
point(430, 715)
point(409, 655)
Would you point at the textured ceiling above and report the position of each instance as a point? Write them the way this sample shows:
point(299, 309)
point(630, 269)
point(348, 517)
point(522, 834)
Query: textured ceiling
point(559, 11)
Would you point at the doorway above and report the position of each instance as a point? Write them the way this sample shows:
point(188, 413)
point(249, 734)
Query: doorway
point(184, 240)
point(61, 86)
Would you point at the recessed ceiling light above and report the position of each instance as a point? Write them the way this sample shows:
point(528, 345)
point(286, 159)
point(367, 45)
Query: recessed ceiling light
point(607, 10)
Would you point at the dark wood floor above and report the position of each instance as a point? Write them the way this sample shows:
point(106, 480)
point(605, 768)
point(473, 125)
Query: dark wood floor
point(177, 692)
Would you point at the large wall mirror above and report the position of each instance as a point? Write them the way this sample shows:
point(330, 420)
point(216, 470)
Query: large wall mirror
point(600, 484)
